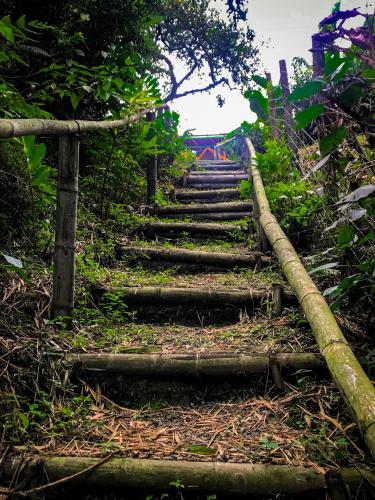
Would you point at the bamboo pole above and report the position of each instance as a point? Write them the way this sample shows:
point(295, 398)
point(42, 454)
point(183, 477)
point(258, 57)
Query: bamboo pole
point(66, 223)
point(150, 295)
point(194, 228)
point(227, 171)
point(212, 195)
point(353, 383)
point(216, 179)
point(225, 259)
point(287, 111)
point(272, 109)
point(236, 206)
point(193, 365)
point(215, 216)
point(216, 167)
point(151, 476)
point(35, 126)
point(210, 185)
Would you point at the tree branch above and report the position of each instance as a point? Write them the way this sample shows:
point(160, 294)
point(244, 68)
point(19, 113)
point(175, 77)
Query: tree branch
point(210, 86)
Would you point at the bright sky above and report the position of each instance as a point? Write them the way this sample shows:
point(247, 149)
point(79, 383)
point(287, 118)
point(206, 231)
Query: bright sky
point(288, 25)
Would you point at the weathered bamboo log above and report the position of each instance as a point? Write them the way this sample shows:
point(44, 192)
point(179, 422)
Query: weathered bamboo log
point(36, 126)
point(217, 167)
point(211, 196)
point(147, 475)
point(66, 224)
point(194, 228)
point(353, 383)
point(150, 295)
point(209, 185)
point(224, 216)
point(236, 206)
point(216, 179)
point(195, 173)
point(193, 365)
point(224, 259)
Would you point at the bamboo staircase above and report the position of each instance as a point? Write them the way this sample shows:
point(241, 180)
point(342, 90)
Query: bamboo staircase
point(210, 199)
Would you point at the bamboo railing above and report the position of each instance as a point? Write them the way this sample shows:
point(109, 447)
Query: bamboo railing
point(354, 385)
point(67, 190)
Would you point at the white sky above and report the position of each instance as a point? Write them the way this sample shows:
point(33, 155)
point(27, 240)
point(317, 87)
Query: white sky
point(288, 25)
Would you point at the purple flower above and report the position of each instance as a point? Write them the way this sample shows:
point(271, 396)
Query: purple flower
point(341, 15)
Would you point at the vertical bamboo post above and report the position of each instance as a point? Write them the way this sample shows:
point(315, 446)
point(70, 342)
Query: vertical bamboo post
point(66, 224)
point(152, 169)
point(273, 121)
point(288, 118)
point(317, 50)
point(277, 292)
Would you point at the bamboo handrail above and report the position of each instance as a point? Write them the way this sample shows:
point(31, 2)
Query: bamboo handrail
point(35, 126)
point(354, 385)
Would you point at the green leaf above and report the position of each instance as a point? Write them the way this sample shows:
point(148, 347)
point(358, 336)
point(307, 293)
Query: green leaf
point(75, 100)
point(201, 450)
point(3, 57)
point(331, 142)
point(324, 267)
point(260, 80)
point(303, 118)
point(309, 89)
point(35, 155)
point(25, 422)
point(6, 29)
point(351, 95)
point(40, 176)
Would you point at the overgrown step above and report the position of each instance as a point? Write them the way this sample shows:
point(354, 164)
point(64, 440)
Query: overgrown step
point(211, 196)
point(217, 166)
point(223, 259)
point(211, 185)
point(194, 365)
point(196, 173)
point(218, 216)
point(207, 229)
point(118, 474)
point(151, 295)
point(199, 208)
point(228, 179)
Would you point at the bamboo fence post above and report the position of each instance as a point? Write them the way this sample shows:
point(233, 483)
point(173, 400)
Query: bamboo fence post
point(152, 170)
point(273, 119)
point(287, 115)
point(277, 292)
point(317, 50)
point(66, 223)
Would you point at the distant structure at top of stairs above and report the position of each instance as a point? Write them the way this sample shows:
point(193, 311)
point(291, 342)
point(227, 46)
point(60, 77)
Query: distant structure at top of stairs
point(203, 145)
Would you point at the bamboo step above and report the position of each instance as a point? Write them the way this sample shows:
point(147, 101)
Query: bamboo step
point(198, 365)
point(218, 167)
point(152, 295)
point(198, 208)
point(118, 474)
point(195, 173)
point(204, 229)
point(218, 216)
point(215, 178)
point(220, 259)
point(212, 196)
point(211, 185)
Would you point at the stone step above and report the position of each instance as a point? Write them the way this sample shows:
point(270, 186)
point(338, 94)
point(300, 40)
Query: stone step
point(193, 208)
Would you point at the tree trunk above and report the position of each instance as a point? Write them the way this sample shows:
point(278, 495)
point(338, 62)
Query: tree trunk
point(193, 365)
point(193, 256)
